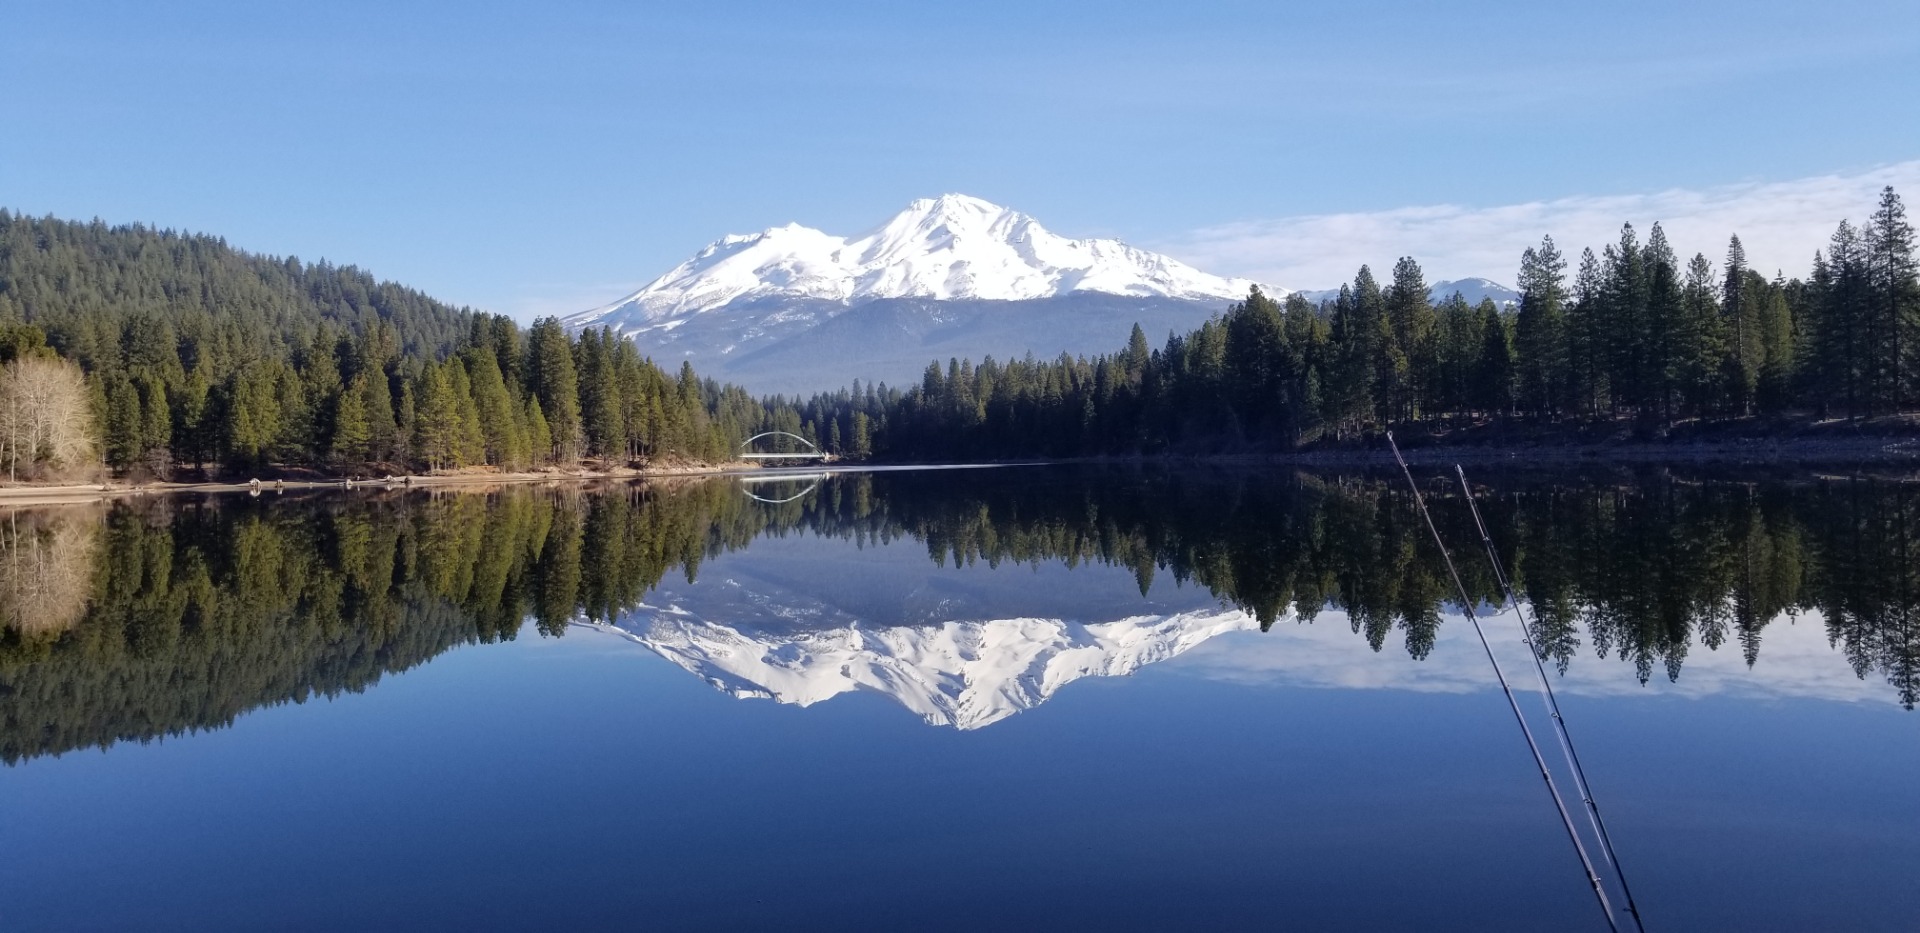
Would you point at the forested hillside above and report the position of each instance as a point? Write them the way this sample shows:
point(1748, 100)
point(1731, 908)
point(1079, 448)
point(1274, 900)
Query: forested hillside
point(1631, 333)
point(158, 353)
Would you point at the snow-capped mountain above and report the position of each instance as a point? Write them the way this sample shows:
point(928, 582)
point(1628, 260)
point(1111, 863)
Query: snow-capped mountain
point(947, 276)
point(960, 674)
point(948, 248)
point(1474, 290)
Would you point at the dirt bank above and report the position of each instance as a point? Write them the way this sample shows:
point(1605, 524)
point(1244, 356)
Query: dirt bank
point(90, 492)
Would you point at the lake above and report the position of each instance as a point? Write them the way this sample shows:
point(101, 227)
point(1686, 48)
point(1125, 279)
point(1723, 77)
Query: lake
point(970, 699)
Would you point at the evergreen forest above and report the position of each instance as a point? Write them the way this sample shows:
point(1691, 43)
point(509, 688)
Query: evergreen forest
point(1633, 334)
point(159, 354)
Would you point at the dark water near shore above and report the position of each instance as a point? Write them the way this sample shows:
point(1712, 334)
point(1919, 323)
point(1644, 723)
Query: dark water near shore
point(1026, 698)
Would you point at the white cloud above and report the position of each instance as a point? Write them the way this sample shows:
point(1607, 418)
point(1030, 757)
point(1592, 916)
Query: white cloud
point(557, 299)
point(1796, 661)
point(1781, 224)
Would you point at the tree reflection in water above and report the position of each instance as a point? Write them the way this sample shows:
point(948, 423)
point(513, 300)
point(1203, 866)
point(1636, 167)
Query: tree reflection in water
point(157, 617)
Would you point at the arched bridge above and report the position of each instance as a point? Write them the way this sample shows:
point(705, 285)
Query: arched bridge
point(811, 453)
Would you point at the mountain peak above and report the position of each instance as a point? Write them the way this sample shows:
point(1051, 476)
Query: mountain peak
point(951, 247)
point(953, 201)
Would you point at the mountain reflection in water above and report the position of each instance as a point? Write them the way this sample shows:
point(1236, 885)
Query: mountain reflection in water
point(158, 617)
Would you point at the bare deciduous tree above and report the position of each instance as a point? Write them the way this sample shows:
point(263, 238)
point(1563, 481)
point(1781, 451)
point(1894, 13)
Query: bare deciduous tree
point(46, 425)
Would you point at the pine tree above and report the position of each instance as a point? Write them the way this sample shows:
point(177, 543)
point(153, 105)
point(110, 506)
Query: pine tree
point(635, 377)
point(252, 422)
point(1744, 353)
point(1460, 345)
point(1624, 321)
point(1777, 342)
point(156, 423)
point(539, 435)
point(1307, 340)
point(437, 422)
point(309, 424)
point(406, 423)
point(1254, 353)
point(191, 428)
point(1662, 347)
point(1410, 323)
point(556, 384)
point(1700, 357)
point(1847, 330)
point(600, 406)
point(1894, 292)
point(352, 428)
point(294, 439)
point(1134, 362)
point(1348, 388)
point(124, 446)
point(1493, 384)
point(469, 440)
point(385, 439)
point(1540, 338)
point(862, 435)
point(1587, 337)
point(504, 439)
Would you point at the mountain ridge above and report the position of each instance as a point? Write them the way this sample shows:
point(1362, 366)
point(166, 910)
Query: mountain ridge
point(1471, 288)
point(953, 247)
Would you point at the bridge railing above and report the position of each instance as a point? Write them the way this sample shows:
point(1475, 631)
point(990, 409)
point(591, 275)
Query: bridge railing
point(812, 453)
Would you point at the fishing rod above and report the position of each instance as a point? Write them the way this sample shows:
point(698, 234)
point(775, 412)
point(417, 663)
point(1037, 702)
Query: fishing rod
point(1539, 760)
point(1553, 702)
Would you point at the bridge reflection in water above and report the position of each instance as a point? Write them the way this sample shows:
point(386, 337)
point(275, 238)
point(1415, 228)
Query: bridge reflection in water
point(812, 481)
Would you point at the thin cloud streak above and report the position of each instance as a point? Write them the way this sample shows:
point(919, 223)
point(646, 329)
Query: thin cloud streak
point(557, 299)
point(1781, 224)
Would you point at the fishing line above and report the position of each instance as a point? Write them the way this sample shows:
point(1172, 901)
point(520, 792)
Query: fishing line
point(1539, 760)
point(1553, 703)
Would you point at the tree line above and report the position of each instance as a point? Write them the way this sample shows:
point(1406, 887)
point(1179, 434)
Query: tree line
point(158, 353)
point(1632, 332)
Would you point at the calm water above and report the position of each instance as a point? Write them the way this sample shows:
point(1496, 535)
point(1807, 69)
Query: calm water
point(1031, 698)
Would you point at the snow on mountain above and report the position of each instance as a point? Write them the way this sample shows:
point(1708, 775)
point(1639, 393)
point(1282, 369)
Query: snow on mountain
point(1472, 289)
point(952, 247)
point(963, 674)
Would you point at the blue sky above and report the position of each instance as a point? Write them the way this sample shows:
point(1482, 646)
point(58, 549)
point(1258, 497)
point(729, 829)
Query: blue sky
point(532, 158)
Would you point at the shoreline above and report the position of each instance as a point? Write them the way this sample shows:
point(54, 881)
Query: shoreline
point(1801, 451)
point(73, 493)
point(1757, 452)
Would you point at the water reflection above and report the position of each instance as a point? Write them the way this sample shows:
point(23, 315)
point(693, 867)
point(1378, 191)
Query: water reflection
point(46, 570)
point(961, 674)
point(153, 618)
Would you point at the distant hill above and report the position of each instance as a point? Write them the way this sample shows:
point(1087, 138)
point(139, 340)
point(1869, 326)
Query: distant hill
point(88, 285)
point(1472, 289)
point(169, 352)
